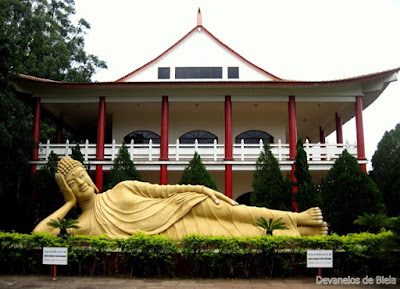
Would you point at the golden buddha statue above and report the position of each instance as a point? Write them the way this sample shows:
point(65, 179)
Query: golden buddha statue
point(171, 210)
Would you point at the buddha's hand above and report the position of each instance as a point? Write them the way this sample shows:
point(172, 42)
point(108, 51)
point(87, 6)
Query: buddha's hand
point(69, 196)
point(217, 196)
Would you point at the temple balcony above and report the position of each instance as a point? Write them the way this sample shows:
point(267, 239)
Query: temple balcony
point(321, 156)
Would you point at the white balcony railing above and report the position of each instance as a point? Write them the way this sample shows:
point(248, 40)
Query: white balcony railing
point(144, 153)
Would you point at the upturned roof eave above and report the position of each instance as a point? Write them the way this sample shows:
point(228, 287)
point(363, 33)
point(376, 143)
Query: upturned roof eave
point(278, 83)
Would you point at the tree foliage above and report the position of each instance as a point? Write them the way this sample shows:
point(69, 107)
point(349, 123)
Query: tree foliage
point(48, 194)
point(40, 39)
point(373, 223)
point(123, 169)
point(37, 37)
point(270, 189)
point(386, 170)
point(348, 193)
point(307, 195)
point(196, 174)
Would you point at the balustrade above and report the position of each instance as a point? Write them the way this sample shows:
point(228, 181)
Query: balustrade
point(214, 152)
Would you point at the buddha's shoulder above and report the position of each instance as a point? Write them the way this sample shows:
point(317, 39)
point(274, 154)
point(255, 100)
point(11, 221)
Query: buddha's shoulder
point(131, 184)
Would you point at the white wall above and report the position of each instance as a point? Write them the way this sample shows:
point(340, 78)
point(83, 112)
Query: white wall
point(199, 50)
point(130, 117)
point(185, 117)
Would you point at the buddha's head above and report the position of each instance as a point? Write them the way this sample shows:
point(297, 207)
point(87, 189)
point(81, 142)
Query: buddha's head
point(77, 179)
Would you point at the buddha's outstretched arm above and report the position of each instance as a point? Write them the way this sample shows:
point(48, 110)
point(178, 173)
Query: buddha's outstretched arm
point(70, 202)
point(166, 191)
point(60, 213)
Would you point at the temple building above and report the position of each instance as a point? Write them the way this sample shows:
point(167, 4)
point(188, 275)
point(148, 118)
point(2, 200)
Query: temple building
point(200, 95)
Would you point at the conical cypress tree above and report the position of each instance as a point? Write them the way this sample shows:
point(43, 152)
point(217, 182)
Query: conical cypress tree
point(386, 170)
point(76, 153)
point(48, 195)
point(196, 174)
point(348, 193)
point(270, 189)
point(123, 169)
point(307, 195)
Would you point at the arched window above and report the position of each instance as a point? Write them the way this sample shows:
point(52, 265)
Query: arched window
point(244, 199)
point(254, 136)
point(201, 136)
point(142, 137)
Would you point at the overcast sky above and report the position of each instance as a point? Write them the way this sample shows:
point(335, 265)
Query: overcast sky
point(300, 40)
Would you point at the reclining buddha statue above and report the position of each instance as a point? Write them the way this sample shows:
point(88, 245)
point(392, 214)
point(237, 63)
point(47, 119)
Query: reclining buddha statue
point(171, 210)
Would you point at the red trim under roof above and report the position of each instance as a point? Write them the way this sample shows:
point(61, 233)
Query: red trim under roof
point(213, 37)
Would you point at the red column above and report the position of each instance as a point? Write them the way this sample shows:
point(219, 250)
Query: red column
point(360, 132)
point(293, 142)
point(292, 127)
point(101, 130)
point(164, 140)
point(228, 146)
point(322, 138)
point(321, 135)
point(60, 125)
point(339, 130)
point(36, 134)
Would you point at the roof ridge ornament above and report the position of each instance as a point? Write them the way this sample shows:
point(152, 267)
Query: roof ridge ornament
point(199, 18)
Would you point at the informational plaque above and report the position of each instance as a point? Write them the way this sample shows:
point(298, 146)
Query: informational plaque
point(319, 258)
point(55, 255)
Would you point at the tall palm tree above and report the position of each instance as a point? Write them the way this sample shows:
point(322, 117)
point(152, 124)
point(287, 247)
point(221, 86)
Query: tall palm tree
point(270, 225)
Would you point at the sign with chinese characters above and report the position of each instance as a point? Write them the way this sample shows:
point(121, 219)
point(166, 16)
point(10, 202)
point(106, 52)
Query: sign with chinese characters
point(319, 258)
point(55, 255)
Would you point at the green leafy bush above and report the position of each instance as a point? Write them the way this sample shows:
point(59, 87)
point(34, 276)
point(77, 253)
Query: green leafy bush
point(348, 193)
point(123, 169)
point(148, 255)
point(306, 196)
point(196, 174)
point(269, 187)
point(194, 255)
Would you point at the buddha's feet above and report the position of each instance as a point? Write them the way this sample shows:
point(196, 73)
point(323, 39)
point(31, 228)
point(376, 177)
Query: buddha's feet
point(319, 230)
point(311, 217)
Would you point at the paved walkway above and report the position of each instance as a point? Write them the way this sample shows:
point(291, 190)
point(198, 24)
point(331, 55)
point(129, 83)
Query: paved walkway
point(35, 282)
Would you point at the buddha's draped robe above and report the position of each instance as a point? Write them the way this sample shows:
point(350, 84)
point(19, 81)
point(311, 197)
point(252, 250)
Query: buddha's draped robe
point(175, 211)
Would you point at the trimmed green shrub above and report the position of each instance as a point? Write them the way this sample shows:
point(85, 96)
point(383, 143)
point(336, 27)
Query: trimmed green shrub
point(194, 255)
point(269, 187)
point(386, 170)
point(196, 174)
point(48, 195)
point(306, 196)
point(76, 154)
point(123, 169)
point(348, 193)
point(149, 255)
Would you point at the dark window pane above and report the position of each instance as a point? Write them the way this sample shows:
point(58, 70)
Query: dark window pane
point(254, 136)
point(233, 72)
point(201, 136)
point(163, 73)
point(142, 137)
point(198, 72)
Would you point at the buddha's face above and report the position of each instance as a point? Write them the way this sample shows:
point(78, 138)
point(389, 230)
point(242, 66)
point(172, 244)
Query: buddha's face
point(80, 183)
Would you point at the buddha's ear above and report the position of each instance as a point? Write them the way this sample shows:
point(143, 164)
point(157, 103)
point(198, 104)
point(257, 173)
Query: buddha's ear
point(96, 190)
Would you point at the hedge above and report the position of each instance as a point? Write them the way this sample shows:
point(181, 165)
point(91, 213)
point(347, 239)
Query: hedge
point(193, 256)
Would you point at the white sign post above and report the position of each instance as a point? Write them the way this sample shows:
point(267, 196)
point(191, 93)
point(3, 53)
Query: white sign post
point(55, 256)
point(319, 259)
